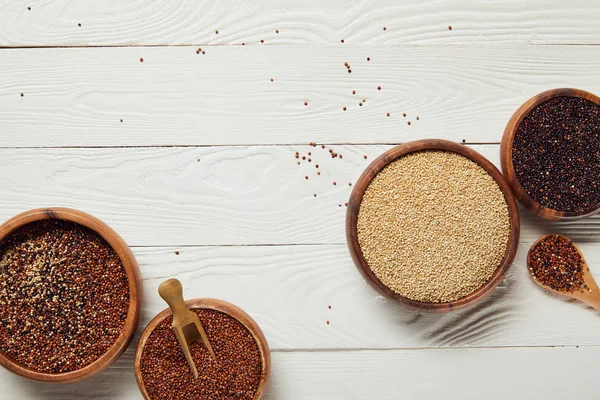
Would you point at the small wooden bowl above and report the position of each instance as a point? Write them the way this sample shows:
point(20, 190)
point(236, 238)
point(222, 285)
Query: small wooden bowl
point(133, 277)
point(506, 159)
point(354, 206)
point(216, 305)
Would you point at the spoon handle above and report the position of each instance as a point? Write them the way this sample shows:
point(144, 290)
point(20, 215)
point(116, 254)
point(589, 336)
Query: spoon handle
point(172, 292)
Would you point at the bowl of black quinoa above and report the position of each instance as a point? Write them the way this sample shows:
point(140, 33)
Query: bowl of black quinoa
point(550, 154)
point(70, 294)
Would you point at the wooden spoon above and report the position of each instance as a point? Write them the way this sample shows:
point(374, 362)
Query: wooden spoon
point(186, 324)
point(590, 296)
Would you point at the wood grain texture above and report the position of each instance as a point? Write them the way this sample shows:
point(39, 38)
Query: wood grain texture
point(396, 153)
point(288, 291)
point(77, 97)
point(233, 195)
point(110, 22)
point(388, 375)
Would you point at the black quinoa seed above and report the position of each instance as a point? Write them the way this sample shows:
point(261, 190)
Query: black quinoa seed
point(556, 154)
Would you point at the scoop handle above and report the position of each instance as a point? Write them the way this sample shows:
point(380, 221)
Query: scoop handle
point(172, 292)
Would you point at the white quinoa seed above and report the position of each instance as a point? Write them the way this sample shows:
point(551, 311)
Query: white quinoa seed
point(433, 226)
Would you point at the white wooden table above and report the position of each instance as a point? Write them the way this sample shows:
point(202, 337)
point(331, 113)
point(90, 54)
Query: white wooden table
point(203, 164)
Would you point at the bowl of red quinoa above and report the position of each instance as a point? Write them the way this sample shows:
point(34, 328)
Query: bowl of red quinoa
point(432, 224)
point(70, 293)
point(243, 361)
point(550, 154)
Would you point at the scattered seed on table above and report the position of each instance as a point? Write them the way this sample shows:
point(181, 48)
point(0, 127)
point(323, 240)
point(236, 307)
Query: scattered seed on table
point(330, 307)
point(341, 156)
point(272, 79)
point(368, 58)
point(388, 114)
point(346, 204)
point(306, 177)
point(344, 108)
point(216, 32)
point(121, 120)
point(64, 296)
point(418, 118)
point(408, 122)
point(141, 59)
point(318, 172)
point(433, 226)
point(203, 52)
point(79, 25)
point(349, 183)
point(354, 92)
point(449, 27)
point(309, 153)
point(555, 262)
point(328, 322)
point(315, 195)
point(29, 8)
point(235, 374)
point(556, 154)
point(365, 156)
point(276, 30)
point(262, 41)
point(360, 104)
point(176, 253)
point(322, 146)
point(309, 160)
point(304, 157)
point(378, 87)
point(316, 165)
point(306, 103)
point(384, 28)
point(22, 95)
point(342, 40)
point(349, 71)
point(298, 162)
point(404, 114)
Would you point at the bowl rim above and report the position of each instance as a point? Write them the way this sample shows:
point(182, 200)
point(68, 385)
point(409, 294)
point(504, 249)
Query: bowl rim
point(506, 159)
point(216, 305)
point(134, 282)
point(416, 146)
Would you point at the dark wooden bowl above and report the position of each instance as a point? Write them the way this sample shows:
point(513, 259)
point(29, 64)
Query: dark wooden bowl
point(135, 290)
point(506, 160)
point(217, 305)
point(354, 205)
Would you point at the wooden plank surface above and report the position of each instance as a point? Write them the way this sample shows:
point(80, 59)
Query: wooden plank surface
point(106, 22)
point(288, 291)
point(233, 196)
point(77, 97)
point(512, 373)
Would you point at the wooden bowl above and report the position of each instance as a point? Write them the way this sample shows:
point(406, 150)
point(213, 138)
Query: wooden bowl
point(506, 159)
point(354, 205)
point(216, 305)
point(133, 277)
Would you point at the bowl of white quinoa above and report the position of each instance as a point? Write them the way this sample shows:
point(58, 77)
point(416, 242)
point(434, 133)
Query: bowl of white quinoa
point(432, 224)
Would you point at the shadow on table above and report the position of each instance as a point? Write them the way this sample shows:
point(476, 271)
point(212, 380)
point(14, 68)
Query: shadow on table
point(481, 321)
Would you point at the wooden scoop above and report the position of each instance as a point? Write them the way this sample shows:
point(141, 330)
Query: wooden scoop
point(186, 324)
point(590, 296)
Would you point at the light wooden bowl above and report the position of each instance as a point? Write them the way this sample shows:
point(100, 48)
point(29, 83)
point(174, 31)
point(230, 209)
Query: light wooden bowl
point(506, 159)
point(354, 205)
point(133, 277)
point(217, 305)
